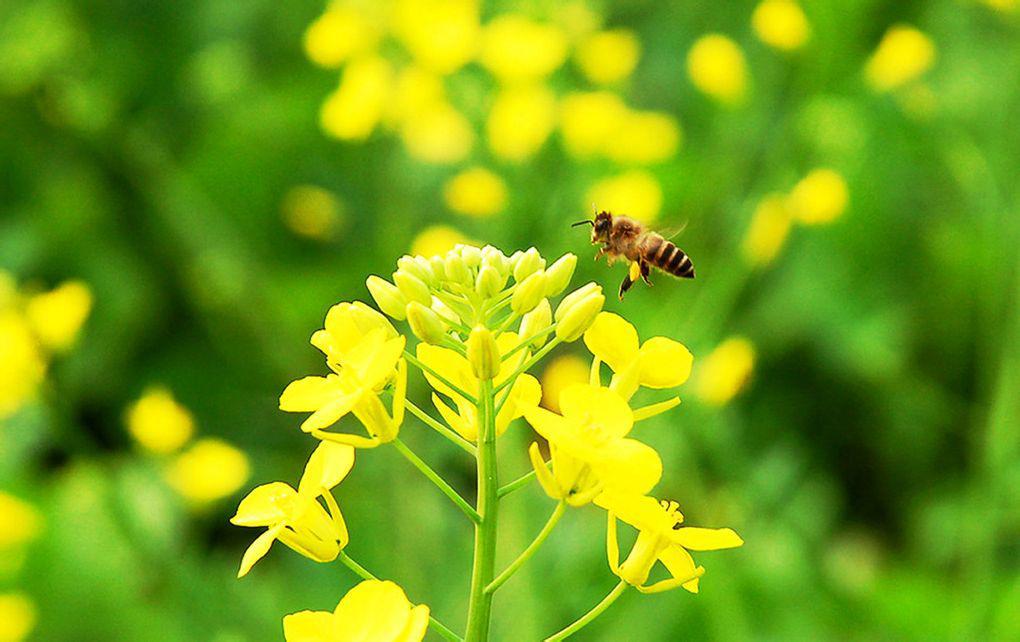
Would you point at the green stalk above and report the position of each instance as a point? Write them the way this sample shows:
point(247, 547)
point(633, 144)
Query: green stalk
point(530, 550)
point(480, 606)
point(538, 356)
point(436, 479)
point(586, 619)
point(443, 430)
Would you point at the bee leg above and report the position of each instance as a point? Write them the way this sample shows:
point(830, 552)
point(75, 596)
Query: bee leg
point(600, 253)
point(625, 285)
point(645, 270)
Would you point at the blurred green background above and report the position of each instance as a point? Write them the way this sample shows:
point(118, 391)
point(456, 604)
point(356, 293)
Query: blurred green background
point(151, 151)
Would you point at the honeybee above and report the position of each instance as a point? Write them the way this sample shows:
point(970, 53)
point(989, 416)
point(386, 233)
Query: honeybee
point(621, 236)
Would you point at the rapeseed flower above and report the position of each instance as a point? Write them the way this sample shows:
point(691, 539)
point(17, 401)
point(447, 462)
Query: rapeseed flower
point(516, 49)
point(725, 371)
point(651, 137)
point(781, 24)
point(589, 122)
point(22, 363)
point(437, 240)
point(770, 226)
point(57, 316)
point(438, 134)
point(312, 212)
point(20, 522)
point(209, 470)
point(441, 35)
point(562, 372)
point(820, 197)
point(338, 34)
point(372, 611)
point(474, 192)
point(17, 617)
point(158, 422)
point(607, 57)
point(520, 121)
point(903, 55)
point(635, 192)
point(717, 68)
point(353, 111)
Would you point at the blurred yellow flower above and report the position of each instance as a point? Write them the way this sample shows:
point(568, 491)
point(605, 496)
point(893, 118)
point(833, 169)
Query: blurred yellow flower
point(716, 66)
point(437, 240)
point(17, 617)
point(577, 18)
point(725, 372)
point(590, 121)
point(338, 34)
point(769, 228)
point(475, 191)
point(312, 212)
point(520, 121)
point(781, 24)
point(441, 35)
point(635, 193)
point(209, 470)
point(563, 371)
point(356, 107)
point(820, 197)
point(415, 91)
point(657, 363)
point(158, 423)
point(372, 611)
point(22, 365)
point(607, 57)
point(903, 55)
point(20, 522)
point(57, 316)
point(644, 137)
point(660, 539)
point(295, 517)
point(439, 134)
point(516, 49)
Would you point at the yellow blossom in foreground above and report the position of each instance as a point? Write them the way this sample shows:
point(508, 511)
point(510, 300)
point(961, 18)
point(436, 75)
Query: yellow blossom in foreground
point(17, 617)
point(437, 240)
point(57, 316)
point(209, 470)
point(158, 423)
point(311, 211)
point(563, 371)
point(520, 121)
point(903, 55)
point(770, 225)
point(820, 197)
point(781, 24)
point(475, 192)
point(22, 366)
point(644, 137)
point(441, 35)
point(660, 539)
point(356, 107)
point(635, 193)
point(438, 134)
point(339, 33)
point(516, 49)
point(372, 611)
point(20, 522)
point(295, 517)
point(716, 66)
point(608, 56)
point(726, 371)
point(590, 121)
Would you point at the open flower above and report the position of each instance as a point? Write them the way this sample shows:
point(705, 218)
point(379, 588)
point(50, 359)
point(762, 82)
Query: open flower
point(372, 611)
point(657, 363)
point(364, 352)
point(589, 447)
point(660, 538)
point(525, 393)
point(295, 517)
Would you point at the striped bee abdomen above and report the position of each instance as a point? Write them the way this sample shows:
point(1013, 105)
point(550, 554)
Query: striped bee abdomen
point(667, 257)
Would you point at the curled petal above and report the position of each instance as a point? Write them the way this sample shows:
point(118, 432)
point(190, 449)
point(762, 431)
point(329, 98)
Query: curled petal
point(706, 539)
point(329, 464)
point(331, 412)
point(664, 363)
point(266, 505)
point(613, 340)
point(258, 549)
point(681, 566)
point(648, 412)
point(545, 478)
point(308, 394)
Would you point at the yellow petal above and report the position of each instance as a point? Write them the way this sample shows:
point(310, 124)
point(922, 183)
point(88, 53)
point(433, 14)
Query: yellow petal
point(451, 366)
point(371, 412)
point(706, 539)
point(465, 426)
point(258, 549)
point(524, 395)
point(647, 412)
point(640, 511)
point(548, 424)
point(309, 626)
point(664, 363)
point(332, 412)
point(545, 478)
point(599, 405)
point(613, 340)
point(372, 611)
point(329, 464)
point(268, 504)
point(629, 466)
point(417, 624)
point(309, 393)
point(680, 564)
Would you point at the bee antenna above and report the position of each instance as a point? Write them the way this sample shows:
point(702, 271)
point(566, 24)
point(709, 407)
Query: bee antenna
point(584, 222)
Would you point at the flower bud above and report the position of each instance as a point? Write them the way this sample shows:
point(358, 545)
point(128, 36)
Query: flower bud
point(456, 270)
point(416, 266)
point(425, 265)
point(472, 256)
point(483, 353)
point(413, 288)
point(577, 311)
point(425, 323)
point(489, 282)
point(387, 297)
point(529, 293)
point(494, 256)
point(558, 275)
point(438, 265)
point(528, 263)
point(535, 321)
point(445, 312)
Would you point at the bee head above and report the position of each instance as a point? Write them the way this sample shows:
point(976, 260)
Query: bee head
point(601, 226)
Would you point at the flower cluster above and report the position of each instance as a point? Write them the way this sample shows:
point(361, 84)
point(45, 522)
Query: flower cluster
point(20, 524)
point(482, 320)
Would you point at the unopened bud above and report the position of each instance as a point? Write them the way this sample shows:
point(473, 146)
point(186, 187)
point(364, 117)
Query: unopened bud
point(445, 312)
point(527, 264)
point(387, 296)
point(483, 353)
point(425, 323)
point(438, 267)
point(456, 270)
point(417, 266)
point(489, 282)
point(472, 256)
point(558, 275)
point(413, 288)
point(529, 293)
point(535, 321)
point(577, 311)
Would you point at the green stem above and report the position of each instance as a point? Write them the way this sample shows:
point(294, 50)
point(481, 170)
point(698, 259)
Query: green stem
point(480, 605)
point(538, 356)
point(530, 550)
point(442, 429)
point(436, 479)
point(586, 619)
point(365, 574)
point(413, 360)
point(520, 482)
point(526, 342)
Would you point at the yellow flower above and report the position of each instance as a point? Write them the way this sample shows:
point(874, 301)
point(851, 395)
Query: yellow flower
point(437, 240)
point(770, 225)
point(657, 363)
point(475, 192)
point(590, 448)
point(295, 517)
point(515, 49)
point(158, 423)
point(210, 470)
point(20, 522)
point(608, 56)
point(356, 107)
point(311, 211)
point(716, 66)
point(441, 35)
point(635, 193)
point(17, 617)
point(520, 121)
point(57, 316)
point(660, 539)
point(22, 365)
point(644, 137)
point(372, 611)
point(903, 55)
point(338, 34)
point(589, 122)
point(415, 91)
point(726, 371)
point(364, 352)
point(820, 197)
point(781, 24)
point(562, 372)
point(437, 134)
point(525, 393)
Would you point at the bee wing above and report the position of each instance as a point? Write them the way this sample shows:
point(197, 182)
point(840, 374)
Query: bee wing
point(673, 231)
